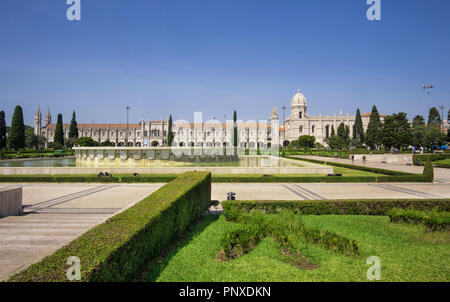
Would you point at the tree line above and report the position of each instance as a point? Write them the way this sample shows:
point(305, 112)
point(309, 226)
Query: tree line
point(20, 136)
point(396, 132)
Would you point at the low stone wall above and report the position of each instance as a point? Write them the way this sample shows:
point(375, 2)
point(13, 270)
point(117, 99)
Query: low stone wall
point(309, 169)
point(11, 202)
point(401, 159)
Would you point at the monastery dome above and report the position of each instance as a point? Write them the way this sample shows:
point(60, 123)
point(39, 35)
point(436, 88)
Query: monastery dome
point(298, 99)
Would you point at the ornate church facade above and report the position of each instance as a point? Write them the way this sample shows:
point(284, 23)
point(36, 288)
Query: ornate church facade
point(213, 133)
point(301, 123)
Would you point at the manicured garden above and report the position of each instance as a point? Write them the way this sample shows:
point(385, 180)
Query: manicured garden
point(333, 247)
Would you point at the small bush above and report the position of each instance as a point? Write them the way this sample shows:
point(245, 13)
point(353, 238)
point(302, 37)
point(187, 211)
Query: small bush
point(428, 171)
point(432, 157)
point(257, 226)
point(433, 220)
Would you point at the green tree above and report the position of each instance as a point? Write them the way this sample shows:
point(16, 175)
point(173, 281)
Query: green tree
point(373, 137)
point(448, 130)
point(434, 137)
point(419, 136)
point(235, 129)
point(170, 132)
point(73, 130)
point(107, 143)
point(434, 118)
point(358, 130)
point(86, 142)
point(2, 130)
point(396, 131)
point(306, 141)
point(418, 121)
point(59, 131)
point(333, 133)
point(16, 137)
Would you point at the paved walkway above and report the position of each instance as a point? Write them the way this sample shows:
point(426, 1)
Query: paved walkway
point(441, 175)
point(55, 214)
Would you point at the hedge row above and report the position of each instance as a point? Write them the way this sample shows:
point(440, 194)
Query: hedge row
point(432, 157)
point(433, 220)
point(231, 178)
point(117, 249)
point(334, 207)
point(58, 178)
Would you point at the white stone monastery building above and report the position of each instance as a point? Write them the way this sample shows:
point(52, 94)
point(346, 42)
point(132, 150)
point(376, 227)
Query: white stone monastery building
point(211, 133)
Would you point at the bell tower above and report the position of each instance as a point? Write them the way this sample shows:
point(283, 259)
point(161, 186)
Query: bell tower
point(299, 107)
point(48, 118)
point(37, 122)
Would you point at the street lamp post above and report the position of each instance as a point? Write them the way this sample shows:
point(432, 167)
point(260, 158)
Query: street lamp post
point(126, 134)
point(284, 126)
point(427, 88)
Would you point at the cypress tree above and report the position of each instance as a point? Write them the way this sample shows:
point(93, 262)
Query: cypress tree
point(333, 133)
point(73, 131)
point(373, 136)
point(434, 118)
point(17, 131)
point(2, 130)
point(358, 130)
point(59, 132)
point(170, 133)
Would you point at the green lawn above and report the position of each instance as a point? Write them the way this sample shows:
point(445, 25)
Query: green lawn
point(407, 253)
point(445, 163)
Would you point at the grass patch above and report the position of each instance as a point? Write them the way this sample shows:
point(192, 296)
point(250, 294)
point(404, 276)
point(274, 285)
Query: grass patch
point(405, 254)
point(445, 163)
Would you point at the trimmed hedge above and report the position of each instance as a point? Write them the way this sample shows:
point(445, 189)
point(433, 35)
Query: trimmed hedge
point(432, 157)
point(433, 220)
point(161, 178)
point(257, 226)
point(117, 249)
point(334, 207)
point(57, 178)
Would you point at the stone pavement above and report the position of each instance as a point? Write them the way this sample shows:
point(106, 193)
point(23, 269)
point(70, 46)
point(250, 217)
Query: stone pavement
point(55, 214)
point(441, 175)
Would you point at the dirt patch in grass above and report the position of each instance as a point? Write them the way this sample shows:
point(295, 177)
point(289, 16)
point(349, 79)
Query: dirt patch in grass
point(298, 260)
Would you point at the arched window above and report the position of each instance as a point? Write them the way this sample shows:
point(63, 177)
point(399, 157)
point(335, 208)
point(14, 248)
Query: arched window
point(300, 129)
point(300, 114)
point(312, 129)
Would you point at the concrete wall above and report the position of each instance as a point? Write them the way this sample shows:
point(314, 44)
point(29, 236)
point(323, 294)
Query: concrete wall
point(10, 202)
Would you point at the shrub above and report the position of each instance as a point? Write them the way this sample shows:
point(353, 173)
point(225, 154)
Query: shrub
point(257, 226)
point(117, 249)
point(334, 207)
point(425, 157)
point(433, 220)
point(428, 171)
point(57, 178)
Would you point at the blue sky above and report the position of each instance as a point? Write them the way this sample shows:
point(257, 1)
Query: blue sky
point(178, 56)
